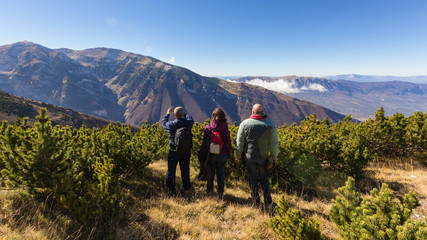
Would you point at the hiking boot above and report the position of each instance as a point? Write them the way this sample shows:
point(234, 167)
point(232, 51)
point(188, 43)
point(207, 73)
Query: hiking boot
point(255, 203)
point(172, 192)
point(270, 208)
point(188, 193)
point(220, 195)
point(209, 193)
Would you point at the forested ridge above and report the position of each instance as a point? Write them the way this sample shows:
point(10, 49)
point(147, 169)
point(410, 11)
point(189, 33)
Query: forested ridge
point(85, 173)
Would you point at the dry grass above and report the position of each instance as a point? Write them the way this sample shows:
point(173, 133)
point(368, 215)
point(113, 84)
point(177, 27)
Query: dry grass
point(27, 233)
point(403, 176)
point(21, 218)
point(154, 214)
point(209, 218)
point(200, 216)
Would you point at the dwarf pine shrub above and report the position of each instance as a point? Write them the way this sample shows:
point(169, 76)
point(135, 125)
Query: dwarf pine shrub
point(81, 170)
point(378, 216)
point(291, 224)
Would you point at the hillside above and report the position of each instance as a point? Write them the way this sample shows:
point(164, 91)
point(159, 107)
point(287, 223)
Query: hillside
point(12, 107)
point(132, 88)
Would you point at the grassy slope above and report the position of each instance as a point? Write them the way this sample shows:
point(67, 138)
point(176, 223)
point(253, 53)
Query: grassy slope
point(156, 215)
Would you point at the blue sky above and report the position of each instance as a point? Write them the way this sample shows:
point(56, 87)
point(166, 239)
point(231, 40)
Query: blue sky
point(226, 38)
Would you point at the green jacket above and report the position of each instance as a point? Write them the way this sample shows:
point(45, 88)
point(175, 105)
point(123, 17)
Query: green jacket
point(256, 139)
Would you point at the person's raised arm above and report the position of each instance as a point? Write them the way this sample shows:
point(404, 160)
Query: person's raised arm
point(166, 119)
point(190, 119)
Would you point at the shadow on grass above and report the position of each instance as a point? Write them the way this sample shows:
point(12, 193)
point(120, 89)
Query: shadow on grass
point(150, 184)
point(309, 212)
point(369, 182)
point(237, 200)
point(143, 227)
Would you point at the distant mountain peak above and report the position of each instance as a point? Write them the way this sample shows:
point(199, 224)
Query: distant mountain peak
point(26, 43)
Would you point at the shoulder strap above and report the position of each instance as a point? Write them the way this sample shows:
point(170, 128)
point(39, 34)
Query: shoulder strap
point(176, 125)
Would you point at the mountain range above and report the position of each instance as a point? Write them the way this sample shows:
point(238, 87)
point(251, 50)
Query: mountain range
point(132, 88)
point(350, 77)
point(360, 99)
point(379, 78)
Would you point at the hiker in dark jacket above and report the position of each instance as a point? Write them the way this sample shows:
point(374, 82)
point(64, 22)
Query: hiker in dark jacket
point(181, 120)
point(216, 161)
point(258, 144)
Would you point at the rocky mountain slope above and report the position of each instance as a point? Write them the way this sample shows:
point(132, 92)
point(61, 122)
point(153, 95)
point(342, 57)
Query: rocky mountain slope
point(132, 88)
point(360, 99)
point(36, 72)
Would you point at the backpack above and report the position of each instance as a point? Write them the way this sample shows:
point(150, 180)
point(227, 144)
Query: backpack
point(217, 143)
point(183, 139)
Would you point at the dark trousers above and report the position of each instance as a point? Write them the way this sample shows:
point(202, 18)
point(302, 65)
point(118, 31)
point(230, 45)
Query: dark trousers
point(217, 164)
point(184, 164)
point(253, 168)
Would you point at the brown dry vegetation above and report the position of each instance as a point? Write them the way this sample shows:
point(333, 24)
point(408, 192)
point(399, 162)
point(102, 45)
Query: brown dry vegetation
point(401, 176)
point(154, 214)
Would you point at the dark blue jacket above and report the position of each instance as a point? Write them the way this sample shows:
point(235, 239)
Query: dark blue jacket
point(172, 126)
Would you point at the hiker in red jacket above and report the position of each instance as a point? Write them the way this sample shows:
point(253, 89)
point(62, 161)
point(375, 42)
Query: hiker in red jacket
point(219, 149)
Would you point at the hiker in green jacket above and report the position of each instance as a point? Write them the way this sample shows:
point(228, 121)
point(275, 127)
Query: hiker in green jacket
point(258, 144)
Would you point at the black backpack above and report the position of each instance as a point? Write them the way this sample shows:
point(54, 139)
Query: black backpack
point(183, 139)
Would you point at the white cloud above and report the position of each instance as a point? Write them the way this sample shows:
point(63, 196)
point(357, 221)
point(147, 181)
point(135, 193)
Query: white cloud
point(112, 21)
point(278, 85)
point(149, 49)
point(315, 87)
point(285, 86)
point(171, 60)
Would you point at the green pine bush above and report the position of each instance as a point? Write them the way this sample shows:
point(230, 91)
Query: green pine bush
point(291, 224)
point(378, 216)
point(81, 170)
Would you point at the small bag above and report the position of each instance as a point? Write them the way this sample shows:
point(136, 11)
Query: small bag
point(216, 142)
point(214, 148)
